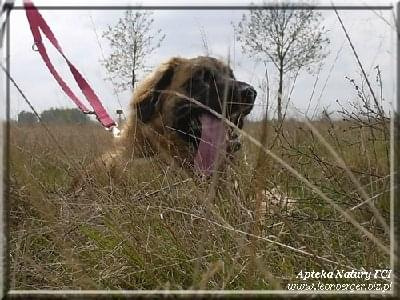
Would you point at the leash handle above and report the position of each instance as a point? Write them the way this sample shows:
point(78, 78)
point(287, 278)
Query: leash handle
point(37, 23)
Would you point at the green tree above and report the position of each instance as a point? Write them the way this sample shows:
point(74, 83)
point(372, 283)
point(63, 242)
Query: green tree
point(67, 116)
point(26, 117)
point(290, 39)
point(132, 39)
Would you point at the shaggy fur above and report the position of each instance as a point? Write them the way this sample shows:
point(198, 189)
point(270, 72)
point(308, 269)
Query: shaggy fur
point(164, 124)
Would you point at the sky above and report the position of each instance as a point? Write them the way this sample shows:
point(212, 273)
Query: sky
point(371, 32)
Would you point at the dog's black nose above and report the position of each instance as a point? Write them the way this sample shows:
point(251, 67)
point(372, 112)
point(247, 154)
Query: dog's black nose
point(249, 94)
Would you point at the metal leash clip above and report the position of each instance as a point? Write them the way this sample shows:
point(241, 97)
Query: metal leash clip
point(115, 131)
point(89, 112)
point(35, 47)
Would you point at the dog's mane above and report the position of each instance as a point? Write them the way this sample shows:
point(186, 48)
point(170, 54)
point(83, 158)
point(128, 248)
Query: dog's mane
point(147, 85)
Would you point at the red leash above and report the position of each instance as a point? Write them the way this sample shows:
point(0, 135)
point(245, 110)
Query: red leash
point(37, 22)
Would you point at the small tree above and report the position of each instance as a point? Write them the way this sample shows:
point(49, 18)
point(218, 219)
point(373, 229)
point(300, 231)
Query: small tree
point(26, 117)
point(64, 116)
point(291, 39)
point(132, 40)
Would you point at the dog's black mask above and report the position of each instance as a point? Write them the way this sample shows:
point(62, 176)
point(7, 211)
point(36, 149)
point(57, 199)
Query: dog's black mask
point(213, 84)
point(221, 93)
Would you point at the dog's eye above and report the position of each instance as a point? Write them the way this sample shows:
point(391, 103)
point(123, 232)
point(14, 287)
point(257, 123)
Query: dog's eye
point(194, 124)
point(208, 75)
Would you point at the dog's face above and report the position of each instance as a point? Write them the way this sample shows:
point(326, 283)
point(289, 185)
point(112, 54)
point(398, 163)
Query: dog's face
point(198, 134)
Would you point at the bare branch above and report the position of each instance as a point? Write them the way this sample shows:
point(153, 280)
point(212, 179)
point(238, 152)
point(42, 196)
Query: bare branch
point(132, 40)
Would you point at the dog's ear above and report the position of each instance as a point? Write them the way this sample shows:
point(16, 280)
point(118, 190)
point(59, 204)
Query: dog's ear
point(147, 107)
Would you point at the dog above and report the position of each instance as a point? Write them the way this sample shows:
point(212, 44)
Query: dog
point(171, 116)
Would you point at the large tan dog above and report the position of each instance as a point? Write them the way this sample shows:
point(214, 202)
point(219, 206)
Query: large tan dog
point(164, 122)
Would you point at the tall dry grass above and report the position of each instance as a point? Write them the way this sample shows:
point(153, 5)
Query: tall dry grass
point(158, 228)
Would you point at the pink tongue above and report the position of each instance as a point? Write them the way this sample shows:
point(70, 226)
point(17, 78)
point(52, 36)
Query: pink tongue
point(212, 141)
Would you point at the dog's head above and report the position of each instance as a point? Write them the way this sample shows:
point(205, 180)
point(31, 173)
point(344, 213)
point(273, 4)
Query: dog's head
point(164, 101)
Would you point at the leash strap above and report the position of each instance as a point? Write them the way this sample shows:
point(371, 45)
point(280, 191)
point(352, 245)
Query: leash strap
point(37, 22)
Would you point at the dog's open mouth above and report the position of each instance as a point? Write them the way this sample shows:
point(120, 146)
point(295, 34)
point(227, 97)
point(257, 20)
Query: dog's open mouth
point(211, 143)
point(208, 137)
point(211, 140)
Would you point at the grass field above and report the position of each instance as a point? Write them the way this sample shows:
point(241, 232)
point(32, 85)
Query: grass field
point(255, 227)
